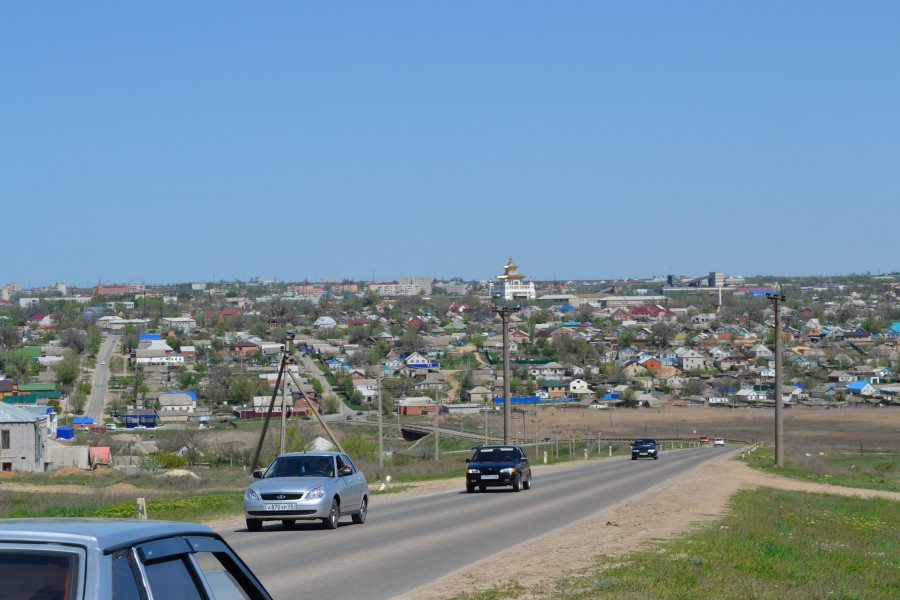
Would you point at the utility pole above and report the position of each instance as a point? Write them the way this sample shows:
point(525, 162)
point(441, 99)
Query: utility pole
point(505, 312)
point(777, 299)
point(437, 440)
point(380, 422)
point(284, 385)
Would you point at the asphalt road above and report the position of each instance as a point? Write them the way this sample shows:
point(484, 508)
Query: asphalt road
point(100, 380)
point(408, 542)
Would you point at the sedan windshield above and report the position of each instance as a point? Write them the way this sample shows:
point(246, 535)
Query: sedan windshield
point(301, 466)
point(495, 455)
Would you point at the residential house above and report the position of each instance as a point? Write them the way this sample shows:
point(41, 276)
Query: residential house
point(417, 361)
point(554, 388)
point(324, 322)
point(155, 352)
point(762, 351)
point(8, 388)
point(23, 439)
point(478, 394)
point(749, 395)
point(893, 331)
point(551, 370)
point(185, 325)
point(368, 388)
point(177, 406)
point(416, 405)
point(691, 360)
point(430, 380)
point(861, 388)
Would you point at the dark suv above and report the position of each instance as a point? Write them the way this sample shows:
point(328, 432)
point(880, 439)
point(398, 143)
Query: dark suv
point(644, 448)
point(498, 465)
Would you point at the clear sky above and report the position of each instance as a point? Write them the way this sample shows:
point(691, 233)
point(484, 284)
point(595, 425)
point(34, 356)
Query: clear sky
point(180, 141)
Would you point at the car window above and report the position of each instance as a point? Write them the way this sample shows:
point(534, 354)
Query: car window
point(125, 581)
point(495, 454)
point(40, 575)
point(219, 577)
point(172, 579)
point(301, 466)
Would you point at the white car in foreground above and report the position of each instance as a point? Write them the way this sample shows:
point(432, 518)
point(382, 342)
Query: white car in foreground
point(719, 442)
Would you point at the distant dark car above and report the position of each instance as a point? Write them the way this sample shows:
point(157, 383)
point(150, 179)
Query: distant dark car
point(359, 413)
point(492, 466)
point(644, 448)
point(102, 559)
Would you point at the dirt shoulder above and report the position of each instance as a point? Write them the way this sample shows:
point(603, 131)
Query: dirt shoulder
point(622, 527)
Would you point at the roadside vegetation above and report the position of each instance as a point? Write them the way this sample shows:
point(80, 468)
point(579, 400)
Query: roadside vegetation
point(877, 470)
point(774, 544)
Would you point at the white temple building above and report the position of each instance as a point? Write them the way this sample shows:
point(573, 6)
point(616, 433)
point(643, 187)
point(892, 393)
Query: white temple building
point(514, 285)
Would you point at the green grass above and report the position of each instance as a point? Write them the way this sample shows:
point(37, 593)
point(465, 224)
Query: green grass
point(877, 471)
point(776, 544)
point(187, 508)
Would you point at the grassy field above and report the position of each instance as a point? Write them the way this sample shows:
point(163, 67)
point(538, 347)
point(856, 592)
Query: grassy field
point(872, 470)
point(775, 544)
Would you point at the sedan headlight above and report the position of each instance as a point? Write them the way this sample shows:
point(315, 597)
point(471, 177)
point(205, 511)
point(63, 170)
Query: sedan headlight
point(251, 495)
point(473, 471)
point(508, 471)
point(315, 494)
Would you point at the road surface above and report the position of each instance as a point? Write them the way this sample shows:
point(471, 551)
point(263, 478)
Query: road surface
point(411, 541)
point(100, 379)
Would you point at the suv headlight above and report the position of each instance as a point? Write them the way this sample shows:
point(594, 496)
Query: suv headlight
point(251, 495)
point(315, 494)
point(508, 471)
point(473, 471)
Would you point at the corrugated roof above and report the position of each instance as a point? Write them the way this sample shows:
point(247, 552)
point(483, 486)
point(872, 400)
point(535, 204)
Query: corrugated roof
point(14, 414)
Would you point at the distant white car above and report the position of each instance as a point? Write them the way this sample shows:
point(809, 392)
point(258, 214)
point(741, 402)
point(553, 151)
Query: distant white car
point(102, 362)
point(719, 442)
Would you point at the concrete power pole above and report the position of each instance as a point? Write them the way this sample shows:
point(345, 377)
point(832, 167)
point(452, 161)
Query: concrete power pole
point(777, 299)
point(504, 312)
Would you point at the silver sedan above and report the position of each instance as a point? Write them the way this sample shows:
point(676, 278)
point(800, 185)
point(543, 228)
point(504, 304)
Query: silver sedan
point(307, 486)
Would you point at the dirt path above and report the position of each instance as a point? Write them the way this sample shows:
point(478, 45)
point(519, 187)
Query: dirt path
point(676, 507)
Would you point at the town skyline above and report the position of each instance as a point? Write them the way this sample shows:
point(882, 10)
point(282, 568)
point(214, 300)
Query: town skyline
point(257, 279)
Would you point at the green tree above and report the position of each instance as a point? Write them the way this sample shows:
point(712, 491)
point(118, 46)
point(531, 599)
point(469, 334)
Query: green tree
point(359, 447)
point(330, 404)
point(67, 370)
point(19, 366)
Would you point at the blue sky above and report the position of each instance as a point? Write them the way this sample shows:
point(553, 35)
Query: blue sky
point(182, 141)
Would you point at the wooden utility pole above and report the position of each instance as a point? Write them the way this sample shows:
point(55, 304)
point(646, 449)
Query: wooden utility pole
point(777, 299)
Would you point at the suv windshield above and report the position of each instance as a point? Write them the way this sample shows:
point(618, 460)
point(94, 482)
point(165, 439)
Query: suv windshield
point(301, 466)
point(495, 455)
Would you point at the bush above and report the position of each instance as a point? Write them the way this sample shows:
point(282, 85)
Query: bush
point(168, 460)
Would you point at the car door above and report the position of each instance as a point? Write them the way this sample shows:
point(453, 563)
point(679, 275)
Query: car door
point(354, 484)
point(524, 464)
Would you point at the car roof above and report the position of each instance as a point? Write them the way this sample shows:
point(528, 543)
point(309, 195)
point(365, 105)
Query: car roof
point(101, 534)
point(312, 453)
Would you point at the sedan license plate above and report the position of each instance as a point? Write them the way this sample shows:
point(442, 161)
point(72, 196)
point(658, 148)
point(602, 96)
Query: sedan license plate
point(490, 477)
point(279, 507)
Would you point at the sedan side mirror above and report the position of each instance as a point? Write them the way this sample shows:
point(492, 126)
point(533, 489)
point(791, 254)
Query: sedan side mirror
point(257, 474)
point(468, 460)
point(345, 470)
